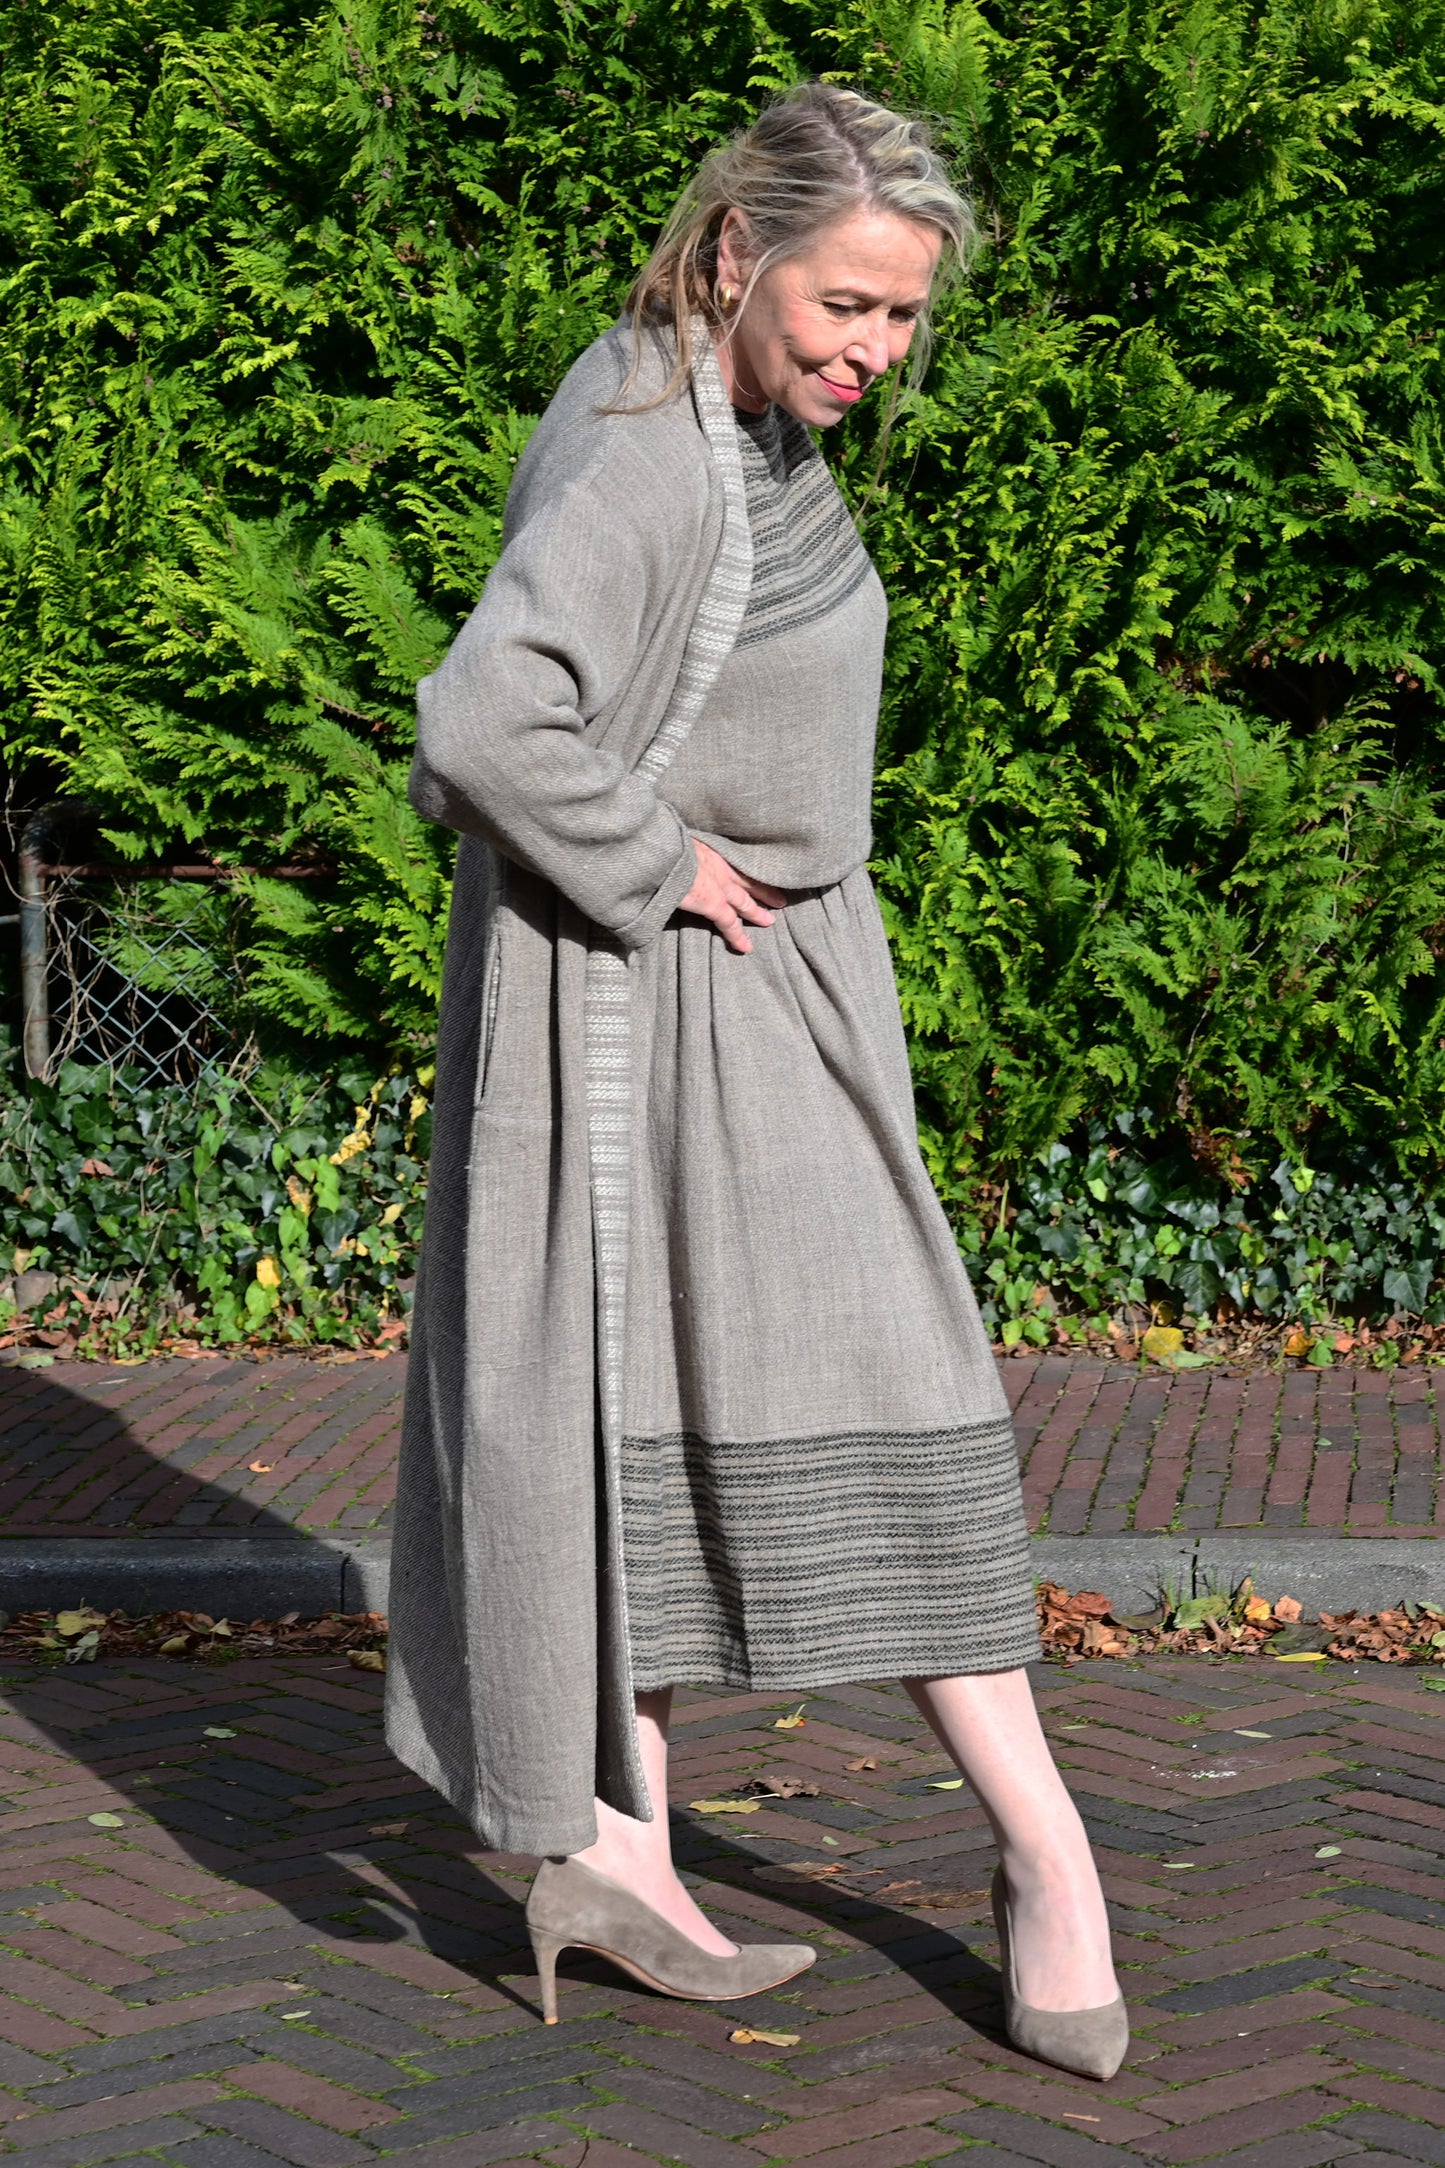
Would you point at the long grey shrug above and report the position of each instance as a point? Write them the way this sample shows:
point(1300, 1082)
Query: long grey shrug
point(623, 575)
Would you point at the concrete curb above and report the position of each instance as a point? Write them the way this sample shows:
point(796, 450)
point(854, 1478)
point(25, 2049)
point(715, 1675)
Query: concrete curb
point(245, 1578)
point(230, 1577)
point(1326, 1572)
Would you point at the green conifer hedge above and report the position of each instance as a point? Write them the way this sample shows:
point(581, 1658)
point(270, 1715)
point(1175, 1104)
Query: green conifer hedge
point(1160, 819)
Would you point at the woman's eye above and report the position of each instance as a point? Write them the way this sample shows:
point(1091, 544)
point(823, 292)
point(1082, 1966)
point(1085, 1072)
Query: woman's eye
point(840, 309)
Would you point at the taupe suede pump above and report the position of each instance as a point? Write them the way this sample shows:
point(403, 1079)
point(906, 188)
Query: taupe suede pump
point(573, 1907)
point(1091, 2043)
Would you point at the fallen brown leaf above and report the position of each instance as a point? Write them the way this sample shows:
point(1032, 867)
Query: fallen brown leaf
point(866, 1761)
point(795, 1722)
point(775, 1786)
point(724, 1806)
point(366, 1659)
point(260, 1467)
point(388, 1829)
point(746, 2035)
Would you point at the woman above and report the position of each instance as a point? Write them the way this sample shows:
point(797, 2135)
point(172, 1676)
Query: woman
point(699, 1389)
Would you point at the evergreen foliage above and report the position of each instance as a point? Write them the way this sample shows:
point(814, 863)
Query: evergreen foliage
point(284, 1209)
point(1160, 817)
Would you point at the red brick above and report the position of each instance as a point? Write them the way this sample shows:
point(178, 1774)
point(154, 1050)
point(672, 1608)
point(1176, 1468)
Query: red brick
point(1192, 2103)
point(901, 2149)
point(111, 1930)
point(53, 1991)
point(1380, 1957)
point(1212, 2059)
point(43, 2127)
point(334, 2105)
point(29, 2028)
point(901, 2111)
point(1243, 2126)
point(1422, 2104)
point(82, 1960)
point(1115, 2124)
point(1217, 1963)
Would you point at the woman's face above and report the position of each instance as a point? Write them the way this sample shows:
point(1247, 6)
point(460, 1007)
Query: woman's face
point(818, 328)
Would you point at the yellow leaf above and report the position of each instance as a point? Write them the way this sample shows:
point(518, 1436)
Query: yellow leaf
point(1256, 1610)
point(1303, 1656)
point(260, 1467)
point(299, 1194)
point(392, 1213)
point(947, 1784)
point(793, 1722)
point(106, 1821)
point(268, 1272)
point(222, 1629)
point(724, 1806)
point(367, 1660)
point(1298, 1342)
point(1162, 1341)
point(747, 2034)
point(218, 1731)
point(176, 1643)
point(71, 1623)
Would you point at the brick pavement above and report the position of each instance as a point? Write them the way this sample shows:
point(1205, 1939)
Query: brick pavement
point(271, 1448)
point(276, 1947)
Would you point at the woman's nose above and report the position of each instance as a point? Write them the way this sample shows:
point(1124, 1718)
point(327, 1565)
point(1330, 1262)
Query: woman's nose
point(870, 345)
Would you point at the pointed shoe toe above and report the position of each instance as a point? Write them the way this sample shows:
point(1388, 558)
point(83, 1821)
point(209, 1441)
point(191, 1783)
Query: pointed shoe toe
point(1090, 2043)
point(572, 1906)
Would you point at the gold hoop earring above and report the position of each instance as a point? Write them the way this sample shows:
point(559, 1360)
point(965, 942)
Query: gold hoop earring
point(725, 296)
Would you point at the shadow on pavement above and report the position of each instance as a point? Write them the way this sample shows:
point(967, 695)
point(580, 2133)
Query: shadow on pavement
point(271, 1770)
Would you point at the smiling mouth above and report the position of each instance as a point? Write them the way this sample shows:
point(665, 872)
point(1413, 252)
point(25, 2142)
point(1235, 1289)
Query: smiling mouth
point(842, 391)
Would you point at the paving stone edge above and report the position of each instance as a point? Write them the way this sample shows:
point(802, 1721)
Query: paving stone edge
point(240, 1577)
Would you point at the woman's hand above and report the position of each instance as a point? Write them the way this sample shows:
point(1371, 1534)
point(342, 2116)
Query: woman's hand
point(729, 899)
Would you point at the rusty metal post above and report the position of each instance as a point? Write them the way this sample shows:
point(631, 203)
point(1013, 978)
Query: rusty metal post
point(34, 949)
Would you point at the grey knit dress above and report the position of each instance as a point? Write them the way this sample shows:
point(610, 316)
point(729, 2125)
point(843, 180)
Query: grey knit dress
point(819, 1480)
point(697, 1388)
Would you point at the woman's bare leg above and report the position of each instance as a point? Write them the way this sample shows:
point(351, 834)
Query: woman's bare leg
point(639, 1854)
point(1060, 1930)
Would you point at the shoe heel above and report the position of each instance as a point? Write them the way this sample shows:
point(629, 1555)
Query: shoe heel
point(546, 1948)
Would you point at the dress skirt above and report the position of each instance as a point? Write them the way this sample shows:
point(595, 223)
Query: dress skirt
point(819, 1476)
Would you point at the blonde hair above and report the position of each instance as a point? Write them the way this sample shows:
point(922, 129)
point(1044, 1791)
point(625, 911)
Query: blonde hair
point(817, 155)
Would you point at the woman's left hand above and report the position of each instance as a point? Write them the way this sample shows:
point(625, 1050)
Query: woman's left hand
point(732, 901)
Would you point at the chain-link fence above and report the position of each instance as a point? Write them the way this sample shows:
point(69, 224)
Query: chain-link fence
point(134, 976)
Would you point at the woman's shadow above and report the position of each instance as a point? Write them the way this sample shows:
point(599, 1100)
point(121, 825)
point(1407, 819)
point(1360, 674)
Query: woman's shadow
point(269, 1769)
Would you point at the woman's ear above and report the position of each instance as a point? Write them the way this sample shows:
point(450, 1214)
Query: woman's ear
point(734, 249)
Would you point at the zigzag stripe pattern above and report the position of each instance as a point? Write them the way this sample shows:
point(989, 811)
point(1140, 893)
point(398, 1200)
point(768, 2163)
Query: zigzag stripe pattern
point(738, 1552)
point(807, 558)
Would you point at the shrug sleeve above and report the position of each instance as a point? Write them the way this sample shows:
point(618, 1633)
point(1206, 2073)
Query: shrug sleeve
point(502, 745)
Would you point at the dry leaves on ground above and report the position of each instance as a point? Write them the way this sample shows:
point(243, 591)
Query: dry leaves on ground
point(80, 1634)
point(1236, 1623)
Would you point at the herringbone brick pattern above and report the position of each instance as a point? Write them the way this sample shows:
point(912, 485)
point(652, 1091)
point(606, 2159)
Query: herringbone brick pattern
point(234, 1934)
point(228, 1447)
point(223, 1447)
